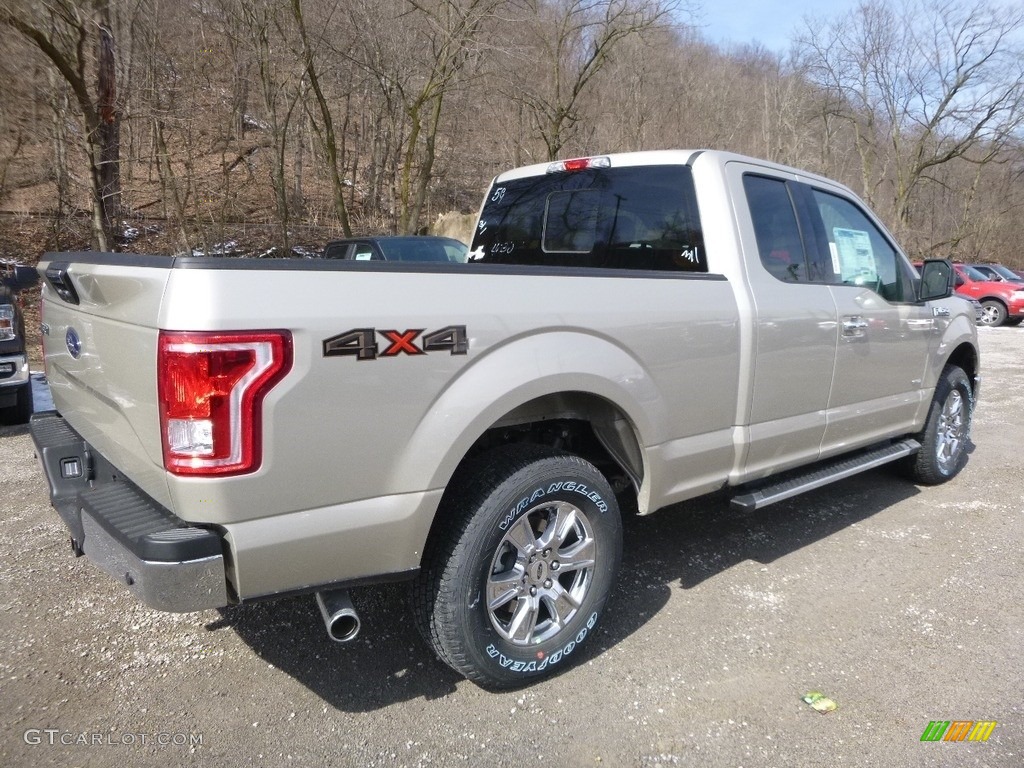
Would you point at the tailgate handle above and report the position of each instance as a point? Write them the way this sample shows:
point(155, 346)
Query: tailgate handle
point(59, 277)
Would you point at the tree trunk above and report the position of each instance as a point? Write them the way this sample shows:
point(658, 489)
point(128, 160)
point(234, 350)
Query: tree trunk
point(328, 136)
point(108, 134)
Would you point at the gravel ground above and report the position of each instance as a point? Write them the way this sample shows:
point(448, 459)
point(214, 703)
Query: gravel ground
point(900, 603)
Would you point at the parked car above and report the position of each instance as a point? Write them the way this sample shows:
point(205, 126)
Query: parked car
point(999, 273)
point(15, 386)
point(1002, 303)
point(397, 248)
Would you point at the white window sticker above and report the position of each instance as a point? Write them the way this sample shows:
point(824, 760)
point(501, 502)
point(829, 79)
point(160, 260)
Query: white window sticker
point(856, 257)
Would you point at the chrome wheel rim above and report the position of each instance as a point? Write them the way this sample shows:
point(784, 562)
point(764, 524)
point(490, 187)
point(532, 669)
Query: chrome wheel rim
point(952, 431)
point(541, 573)
point(990, 314)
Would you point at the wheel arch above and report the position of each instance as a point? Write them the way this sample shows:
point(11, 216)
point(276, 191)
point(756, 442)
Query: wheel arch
point(995, 297)
point(582, 423)
point(965, 356)
point(522, 391)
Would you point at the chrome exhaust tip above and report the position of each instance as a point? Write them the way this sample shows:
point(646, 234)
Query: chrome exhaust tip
point(339, 615)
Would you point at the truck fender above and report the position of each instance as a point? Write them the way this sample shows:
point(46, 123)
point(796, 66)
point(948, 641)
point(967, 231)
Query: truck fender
point(514, 373)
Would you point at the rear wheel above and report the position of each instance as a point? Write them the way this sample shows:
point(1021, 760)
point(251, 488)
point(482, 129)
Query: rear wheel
point(993, 313)
point(519, 570)
point(947, 431)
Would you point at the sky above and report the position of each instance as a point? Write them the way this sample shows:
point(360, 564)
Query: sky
point(769, 23)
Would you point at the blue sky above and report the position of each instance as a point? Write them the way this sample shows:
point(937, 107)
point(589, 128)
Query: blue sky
point(769, 23)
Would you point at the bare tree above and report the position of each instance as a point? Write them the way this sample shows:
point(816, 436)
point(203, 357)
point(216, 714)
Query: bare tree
point(563, 45)
point(76, 37)
point(329, 140)
point(370, 115)
point(281, 87)
point(921, 85)
point(420, 52)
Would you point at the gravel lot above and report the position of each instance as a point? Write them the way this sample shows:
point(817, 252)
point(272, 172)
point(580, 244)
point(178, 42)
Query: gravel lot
point(903, 604)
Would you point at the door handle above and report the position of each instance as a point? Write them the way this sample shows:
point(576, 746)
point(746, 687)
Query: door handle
point(854, 326)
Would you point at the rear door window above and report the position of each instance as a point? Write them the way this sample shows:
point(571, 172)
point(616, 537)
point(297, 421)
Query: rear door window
point(779, 243)
point(635, 218)
point(790, 239)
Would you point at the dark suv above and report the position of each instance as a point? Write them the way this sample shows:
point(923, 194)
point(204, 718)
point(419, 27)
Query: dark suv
point(15, 386)
point(999, 273)
point(397, 248)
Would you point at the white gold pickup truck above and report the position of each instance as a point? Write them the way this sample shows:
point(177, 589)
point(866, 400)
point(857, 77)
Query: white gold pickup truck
point(653, 325)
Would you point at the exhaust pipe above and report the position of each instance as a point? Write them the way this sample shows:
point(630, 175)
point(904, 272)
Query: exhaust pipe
point(339, 614)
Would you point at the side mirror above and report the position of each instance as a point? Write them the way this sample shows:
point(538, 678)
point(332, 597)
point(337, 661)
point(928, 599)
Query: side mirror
point(936, 280)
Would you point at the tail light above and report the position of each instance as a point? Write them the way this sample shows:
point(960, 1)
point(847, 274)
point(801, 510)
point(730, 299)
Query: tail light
point(579, 164)
point(210, 387)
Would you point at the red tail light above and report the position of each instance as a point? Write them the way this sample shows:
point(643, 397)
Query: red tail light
point(579, 164)
point(211, 387)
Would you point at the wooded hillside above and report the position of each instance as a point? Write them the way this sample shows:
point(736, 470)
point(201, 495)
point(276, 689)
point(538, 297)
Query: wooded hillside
point(245, 126)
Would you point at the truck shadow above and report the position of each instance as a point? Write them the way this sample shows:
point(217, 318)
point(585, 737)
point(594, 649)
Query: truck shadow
point(679, 547)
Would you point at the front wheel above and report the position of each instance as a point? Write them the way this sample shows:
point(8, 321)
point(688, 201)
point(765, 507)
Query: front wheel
point(993, 313)
point(947, 431)
point(519, 569)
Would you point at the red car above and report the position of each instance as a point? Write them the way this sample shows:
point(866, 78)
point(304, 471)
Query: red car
point(1001, 302)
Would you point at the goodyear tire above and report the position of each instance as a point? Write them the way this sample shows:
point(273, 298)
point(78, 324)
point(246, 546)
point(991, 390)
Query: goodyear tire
point(947, 431)
point(517, 574)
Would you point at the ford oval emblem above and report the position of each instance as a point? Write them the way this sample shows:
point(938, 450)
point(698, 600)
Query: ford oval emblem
point(74, 343)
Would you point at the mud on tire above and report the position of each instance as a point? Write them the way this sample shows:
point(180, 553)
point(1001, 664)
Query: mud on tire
point(518, 571)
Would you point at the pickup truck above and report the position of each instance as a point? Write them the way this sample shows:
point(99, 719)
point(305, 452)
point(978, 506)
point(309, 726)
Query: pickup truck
point(15, 385)
point(639, 328)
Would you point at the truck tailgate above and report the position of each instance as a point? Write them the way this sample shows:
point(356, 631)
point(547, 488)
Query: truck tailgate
point(99, 347)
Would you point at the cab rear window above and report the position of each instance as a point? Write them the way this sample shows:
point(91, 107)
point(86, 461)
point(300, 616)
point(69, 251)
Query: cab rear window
point(642, 218)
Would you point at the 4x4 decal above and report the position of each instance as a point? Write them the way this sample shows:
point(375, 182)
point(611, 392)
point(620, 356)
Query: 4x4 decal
point(361, 343)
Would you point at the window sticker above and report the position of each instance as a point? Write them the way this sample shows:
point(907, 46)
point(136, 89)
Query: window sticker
point(856, 257)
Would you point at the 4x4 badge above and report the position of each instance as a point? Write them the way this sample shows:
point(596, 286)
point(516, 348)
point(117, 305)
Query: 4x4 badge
point(361, 343)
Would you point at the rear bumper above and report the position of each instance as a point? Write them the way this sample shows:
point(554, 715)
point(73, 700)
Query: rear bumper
point(165, 562)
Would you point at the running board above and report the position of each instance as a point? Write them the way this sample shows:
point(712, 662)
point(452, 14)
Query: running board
point(825, 474)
